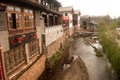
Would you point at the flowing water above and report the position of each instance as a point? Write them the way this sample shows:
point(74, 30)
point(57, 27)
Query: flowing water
point(98, 67)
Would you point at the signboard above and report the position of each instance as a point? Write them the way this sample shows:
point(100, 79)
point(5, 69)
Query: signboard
point(3, 21)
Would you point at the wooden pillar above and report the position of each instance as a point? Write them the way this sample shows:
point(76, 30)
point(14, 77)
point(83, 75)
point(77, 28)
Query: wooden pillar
point(48, 20)
point(54, 23)
point(27, 53)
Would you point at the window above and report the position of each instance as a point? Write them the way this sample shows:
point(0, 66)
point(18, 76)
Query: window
point(28, 18)
point(14, 58)
point(66, 14)
point(33, 47)
point(51, 21)
point(56, 21)
point(14, 17)
point(45, 20)
point(14, 20)
point(18, 19)
point(10, 21)
point(11, 8)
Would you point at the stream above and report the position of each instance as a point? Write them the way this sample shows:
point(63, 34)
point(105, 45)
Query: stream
point(98, 67)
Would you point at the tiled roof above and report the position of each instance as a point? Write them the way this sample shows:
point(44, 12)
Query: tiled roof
point(77, 12)
point(69, 8)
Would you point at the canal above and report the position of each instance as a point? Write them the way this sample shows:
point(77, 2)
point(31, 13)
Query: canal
point(98, 67)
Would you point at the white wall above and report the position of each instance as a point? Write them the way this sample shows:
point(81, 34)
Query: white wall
point(4, 41)
point(79, 20)
point(70, 20)
point(53, 33)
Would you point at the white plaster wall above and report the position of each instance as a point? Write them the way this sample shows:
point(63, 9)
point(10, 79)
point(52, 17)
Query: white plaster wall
point(4, 41)
point(79, 21)
point(53, 33)
point(70, 20)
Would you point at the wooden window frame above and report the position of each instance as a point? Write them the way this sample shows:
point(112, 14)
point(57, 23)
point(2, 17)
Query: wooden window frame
point(29, 22)
point(33, 47)
point(21, 20)
point(14, 58)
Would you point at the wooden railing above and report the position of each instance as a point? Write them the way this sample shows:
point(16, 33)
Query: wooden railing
point(53, 28)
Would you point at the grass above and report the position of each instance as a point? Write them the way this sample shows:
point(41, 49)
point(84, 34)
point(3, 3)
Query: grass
point(55, 57)
point(98, 52)
point(107, 35)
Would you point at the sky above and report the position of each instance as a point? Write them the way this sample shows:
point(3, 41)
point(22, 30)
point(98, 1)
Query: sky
point(95, 7)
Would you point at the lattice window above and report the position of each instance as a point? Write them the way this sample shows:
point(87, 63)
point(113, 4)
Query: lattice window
point(14, 15)
point(14, 58)
point(18, 18)
point(33, 47)
point(28, 18)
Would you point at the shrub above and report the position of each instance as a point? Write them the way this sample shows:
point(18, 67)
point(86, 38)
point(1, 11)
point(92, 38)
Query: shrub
point(107, 36)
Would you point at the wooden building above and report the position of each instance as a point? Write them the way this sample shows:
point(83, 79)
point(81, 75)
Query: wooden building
point(27, 28)
point(76, 20)
point(67, 16)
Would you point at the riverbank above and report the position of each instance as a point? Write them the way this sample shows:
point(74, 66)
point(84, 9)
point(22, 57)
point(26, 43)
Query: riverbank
point(77, 71)
point(98, 67)
point(65, 68)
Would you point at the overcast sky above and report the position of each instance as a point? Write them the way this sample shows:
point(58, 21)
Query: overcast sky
point(95, 7)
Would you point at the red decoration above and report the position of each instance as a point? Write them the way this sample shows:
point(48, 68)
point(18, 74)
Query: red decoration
point(0, 72)
point(19, 39)
point(13, 41)
point(34, 36)
point(65, 17)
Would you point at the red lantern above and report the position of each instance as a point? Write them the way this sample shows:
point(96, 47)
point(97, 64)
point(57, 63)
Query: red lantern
point(34, 35)
point(19, 39)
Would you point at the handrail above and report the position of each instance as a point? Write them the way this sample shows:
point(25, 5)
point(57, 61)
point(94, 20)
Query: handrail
point(53, 28)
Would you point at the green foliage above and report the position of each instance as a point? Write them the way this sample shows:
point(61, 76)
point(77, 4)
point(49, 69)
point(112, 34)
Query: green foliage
point(107, 36)
point(98, 52)
point(55, 57)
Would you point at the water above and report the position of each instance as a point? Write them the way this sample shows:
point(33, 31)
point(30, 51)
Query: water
point(98, 67)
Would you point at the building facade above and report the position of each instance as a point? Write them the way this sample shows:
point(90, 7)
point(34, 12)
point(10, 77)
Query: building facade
point(28, 28)
point(67, 16)
point(76, 20)
point(71, 19)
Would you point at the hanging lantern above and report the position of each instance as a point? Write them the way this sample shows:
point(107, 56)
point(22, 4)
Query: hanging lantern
point(34, 36)
point(19, 39)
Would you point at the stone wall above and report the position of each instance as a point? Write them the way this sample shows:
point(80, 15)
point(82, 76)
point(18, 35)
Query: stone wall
point(35, 70)
point(53, 47)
